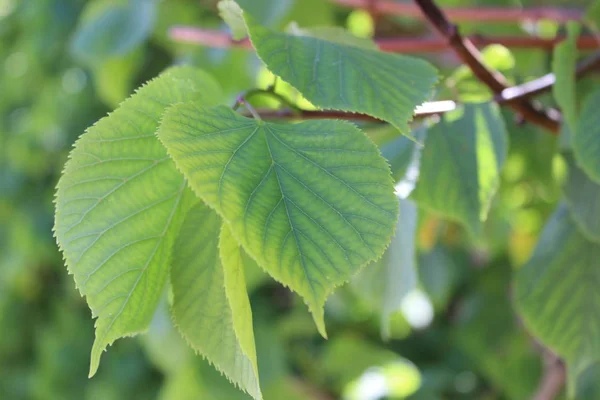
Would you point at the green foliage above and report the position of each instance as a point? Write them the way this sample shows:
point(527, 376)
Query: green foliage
point(113, 31)
point(461, 163)
point(388, 280)
point(563, 65)
point(119, 161)
point(556, 292)
point(188, 256)
point(584, 140)
point(210, 303)
point(344, 77)
point(294, 196)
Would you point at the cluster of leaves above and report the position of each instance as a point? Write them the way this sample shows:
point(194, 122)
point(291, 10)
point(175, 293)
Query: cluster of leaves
point(176, 187)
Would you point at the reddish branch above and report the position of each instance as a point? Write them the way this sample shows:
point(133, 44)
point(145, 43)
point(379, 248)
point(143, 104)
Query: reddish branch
point(545, 83)
point(215, 38)
point(469, 54)
point(425, 110)
point(487, 14)
point(553, 378)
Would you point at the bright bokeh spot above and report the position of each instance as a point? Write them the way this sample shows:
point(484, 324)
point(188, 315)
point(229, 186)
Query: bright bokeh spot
point(396, 380)
point(361, 24)
point(417, 309)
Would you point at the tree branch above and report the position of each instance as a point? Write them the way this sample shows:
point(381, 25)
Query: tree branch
point(545, 83)
point(469, 54)
point(424, 110)
point(487, 14)
point(214, 38)
point(553, 378)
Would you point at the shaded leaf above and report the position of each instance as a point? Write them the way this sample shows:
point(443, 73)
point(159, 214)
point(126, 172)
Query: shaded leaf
point(582, 196)
point(388, 280)
point(119, 203)
point(460, 165)
point(563, 65)
point(311, 202)
point(115, 31)
point(557, 292)
point(210, 302)
point(585, 140)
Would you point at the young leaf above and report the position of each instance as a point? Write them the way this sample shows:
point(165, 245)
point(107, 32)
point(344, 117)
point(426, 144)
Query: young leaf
point(210, 302)
point(563, 66)
point(311, 202)
point(119, 205)
point(557, 290)
point(582, 196)
point(231, 13)
point(461, 164)
point(345, 77)
point(585, 140)
point(386, 281)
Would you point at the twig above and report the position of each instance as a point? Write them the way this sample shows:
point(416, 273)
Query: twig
point(220, 39)
point(425, 110)
point(487, 14)
point(553, 378)
point(469, 54)
point(545, 83)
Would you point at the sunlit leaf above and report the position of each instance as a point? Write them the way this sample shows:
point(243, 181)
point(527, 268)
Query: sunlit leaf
point(460, 165)
point(311, 202)
point(210, 302)
point(119, 204)
point(338, 76)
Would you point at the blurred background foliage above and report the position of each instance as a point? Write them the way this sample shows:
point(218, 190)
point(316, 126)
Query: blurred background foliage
point(66, 63)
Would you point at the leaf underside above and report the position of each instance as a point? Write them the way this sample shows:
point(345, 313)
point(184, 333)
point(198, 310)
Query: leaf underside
point(585, 139)
point(210, 302)
point(119, 204)
point(311, 202)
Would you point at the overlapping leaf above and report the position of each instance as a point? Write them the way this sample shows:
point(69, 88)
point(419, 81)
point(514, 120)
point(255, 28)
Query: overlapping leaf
point(557, 292)
point(119, 204)
point(563, 66)
point(388, 280)
point(582, 196)
point(210, 302)
point(345, 77)
point(311, 202)
point(461, 164)
point(586, 145)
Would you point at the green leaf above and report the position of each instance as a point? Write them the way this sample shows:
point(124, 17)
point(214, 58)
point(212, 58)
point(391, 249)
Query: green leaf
point(311, 202)
point(563, 65)
point(119, 204)
point(585, 140)
point(268, 12)
point(461, 164)
point(557, 292)
point(333, 34)
point(210, 302)
point(342, 77)
point(232, 14)
point(115, 31)
point(582, 196)
point(402, 151)
point(388, 280)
